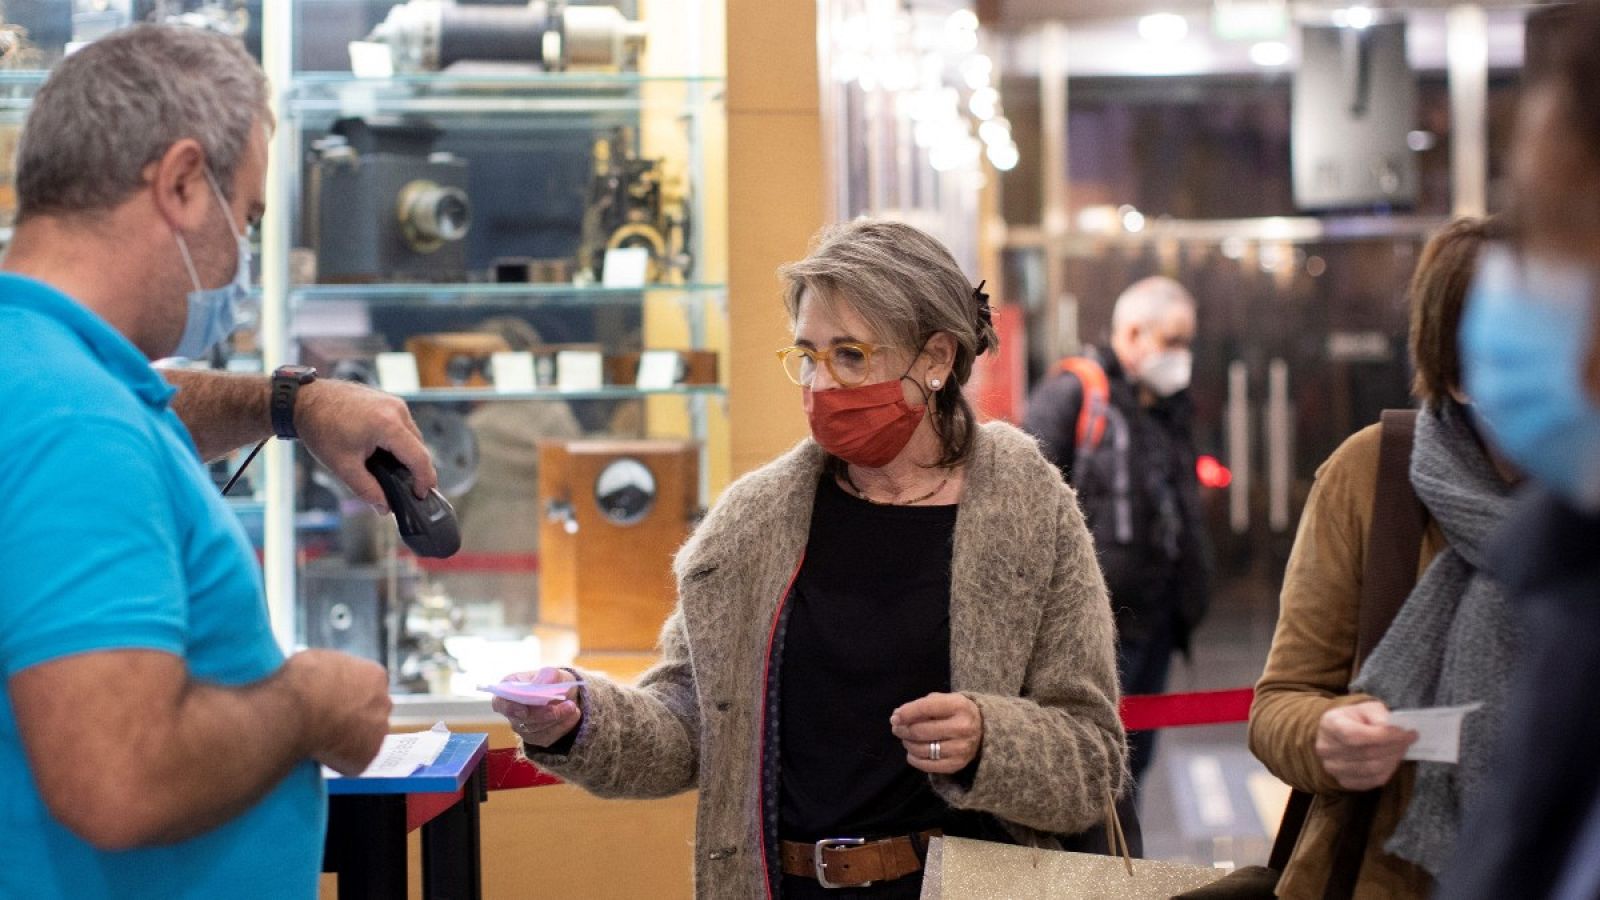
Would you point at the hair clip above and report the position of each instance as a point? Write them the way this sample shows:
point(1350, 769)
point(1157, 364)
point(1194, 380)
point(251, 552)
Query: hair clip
point(985, 315)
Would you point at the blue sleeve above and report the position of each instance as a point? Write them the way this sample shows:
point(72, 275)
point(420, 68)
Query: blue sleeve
point(90, 552)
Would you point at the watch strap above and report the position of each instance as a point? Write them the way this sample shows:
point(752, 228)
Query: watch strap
point(286, 384)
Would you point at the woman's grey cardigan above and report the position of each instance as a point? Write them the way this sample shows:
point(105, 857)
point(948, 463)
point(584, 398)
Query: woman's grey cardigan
point(1031, 642)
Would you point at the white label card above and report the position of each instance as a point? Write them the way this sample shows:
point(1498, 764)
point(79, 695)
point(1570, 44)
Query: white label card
point(580, 370)
point(1438, 729)
point(626, 267)
point(658, 370)
point(513, 372)
point(397, 373)
point(370, 59)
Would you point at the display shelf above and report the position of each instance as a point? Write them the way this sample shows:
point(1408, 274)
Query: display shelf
point(17, 89)
point(460, 395)
point(557, 99)
point(582, 95)
point(471, 295)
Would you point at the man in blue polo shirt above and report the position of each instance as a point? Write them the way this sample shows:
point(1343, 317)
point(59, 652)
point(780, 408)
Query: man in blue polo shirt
point(154, 742)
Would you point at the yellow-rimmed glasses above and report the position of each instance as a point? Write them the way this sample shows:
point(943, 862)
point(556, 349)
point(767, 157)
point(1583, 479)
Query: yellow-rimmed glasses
point(848, 363)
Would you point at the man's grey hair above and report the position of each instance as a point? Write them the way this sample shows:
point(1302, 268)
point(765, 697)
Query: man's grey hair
point(1149, 301)
point(119, 104)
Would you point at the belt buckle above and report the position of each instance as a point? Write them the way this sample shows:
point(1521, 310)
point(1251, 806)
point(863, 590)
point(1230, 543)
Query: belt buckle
point(822, 867)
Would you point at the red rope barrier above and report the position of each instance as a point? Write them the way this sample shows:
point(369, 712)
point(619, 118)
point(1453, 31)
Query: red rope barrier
point(1153, 711)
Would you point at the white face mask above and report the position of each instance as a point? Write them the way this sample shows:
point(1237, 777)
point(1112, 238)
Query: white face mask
point(1168, 372)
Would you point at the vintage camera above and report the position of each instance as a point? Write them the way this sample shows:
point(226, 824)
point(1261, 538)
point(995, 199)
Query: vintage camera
point(429, 35)
point(383, 206)
point(632, 203)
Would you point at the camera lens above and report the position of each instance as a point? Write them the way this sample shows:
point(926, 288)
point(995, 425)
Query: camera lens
point(432, 215)
point(451, 214)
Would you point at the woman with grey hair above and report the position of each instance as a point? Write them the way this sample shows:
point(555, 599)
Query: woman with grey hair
point(897, 629)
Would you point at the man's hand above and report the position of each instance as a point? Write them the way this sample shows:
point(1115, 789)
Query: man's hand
point(346, 704)
point(341, 423)
point(951, 721)
point(1358, 746)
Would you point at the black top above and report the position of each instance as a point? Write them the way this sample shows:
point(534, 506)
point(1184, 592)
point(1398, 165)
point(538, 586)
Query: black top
point(868, 630)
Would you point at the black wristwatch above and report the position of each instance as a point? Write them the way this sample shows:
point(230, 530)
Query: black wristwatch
point(286, 382)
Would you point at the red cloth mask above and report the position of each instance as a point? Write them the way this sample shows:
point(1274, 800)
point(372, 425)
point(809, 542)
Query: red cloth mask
point(865, 426)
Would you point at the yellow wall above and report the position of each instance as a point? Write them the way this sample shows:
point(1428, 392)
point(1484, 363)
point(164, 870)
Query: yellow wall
point(775, 203)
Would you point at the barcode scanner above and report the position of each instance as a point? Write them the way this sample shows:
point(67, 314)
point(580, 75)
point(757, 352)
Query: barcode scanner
point(428, 526)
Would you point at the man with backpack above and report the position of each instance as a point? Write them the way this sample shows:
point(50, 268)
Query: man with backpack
point(1117, 424)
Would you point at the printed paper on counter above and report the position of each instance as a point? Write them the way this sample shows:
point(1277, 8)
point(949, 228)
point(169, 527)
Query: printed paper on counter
point(402, 755)
point(1438, 729)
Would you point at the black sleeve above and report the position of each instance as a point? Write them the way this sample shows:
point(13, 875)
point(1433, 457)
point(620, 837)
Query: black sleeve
point(1052, 417)
point(563, 746)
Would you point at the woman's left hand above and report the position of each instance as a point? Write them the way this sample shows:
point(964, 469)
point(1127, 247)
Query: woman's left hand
point(942, 733)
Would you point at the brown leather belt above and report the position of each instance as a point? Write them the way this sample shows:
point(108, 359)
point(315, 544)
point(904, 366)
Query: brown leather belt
point(853, 862)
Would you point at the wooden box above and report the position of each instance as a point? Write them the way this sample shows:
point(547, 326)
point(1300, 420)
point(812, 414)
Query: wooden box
point(614, 513)
point(455, 359)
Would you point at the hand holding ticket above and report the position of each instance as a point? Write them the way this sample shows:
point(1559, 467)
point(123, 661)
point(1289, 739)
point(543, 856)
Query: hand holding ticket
point(529, 694)
point(1438, 729)
point(536, 705)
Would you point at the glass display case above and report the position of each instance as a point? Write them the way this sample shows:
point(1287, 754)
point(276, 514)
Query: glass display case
point(502, 214)
point(513, 216)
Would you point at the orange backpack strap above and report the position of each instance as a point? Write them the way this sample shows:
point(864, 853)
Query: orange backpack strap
point(1096, 399)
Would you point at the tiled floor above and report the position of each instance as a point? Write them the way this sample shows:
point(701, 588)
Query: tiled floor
point(1205, 799)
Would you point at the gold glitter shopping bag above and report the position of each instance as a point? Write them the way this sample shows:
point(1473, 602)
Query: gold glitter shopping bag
point(962, 869)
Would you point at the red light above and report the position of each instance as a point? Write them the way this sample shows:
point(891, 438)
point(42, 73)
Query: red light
point(1212, 474)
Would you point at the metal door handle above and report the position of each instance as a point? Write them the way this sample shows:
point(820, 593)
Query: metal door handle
point(1280, 438)
point(1238, 444)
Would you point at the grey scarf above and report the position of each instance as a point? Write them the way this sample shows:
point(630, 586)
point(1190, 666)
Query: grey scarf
point(1454, 639)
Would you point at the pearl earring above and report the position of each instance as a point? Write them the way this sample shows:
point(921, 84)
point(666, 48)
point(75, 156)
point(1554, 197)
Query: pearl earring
point(934, 383)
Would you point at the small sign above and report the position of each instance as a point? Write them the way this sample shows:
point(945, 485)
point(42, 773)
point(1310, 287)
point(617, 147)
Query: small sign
point(626, 267)
point(513, 372)
point(659, 370)
point(580, 370)
point(370, 59)
point(397, 373)
point(1360, 347)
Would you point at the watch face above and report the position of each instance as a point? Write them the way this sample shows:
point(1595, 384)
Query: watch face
point(625, 491)
point(303, 373)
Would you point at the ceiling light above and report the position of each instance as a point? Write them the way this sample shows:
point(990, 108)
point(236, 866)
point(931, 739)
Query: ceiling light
point(983, 103)
point(1270, 54)
point(978, 71)
point(995, 131)
point(1004, 156)
point(1163, 28)
point(1359, 17)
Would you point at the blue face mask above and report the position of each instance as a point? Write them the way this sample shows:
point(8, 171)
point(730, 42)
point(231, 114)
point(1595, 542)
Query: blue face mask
point(214, 313)
point(1524, 346)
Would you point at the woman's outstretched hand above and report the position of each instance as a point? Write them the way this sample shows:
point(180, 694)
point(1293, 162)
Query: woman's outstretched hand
point(541, 726)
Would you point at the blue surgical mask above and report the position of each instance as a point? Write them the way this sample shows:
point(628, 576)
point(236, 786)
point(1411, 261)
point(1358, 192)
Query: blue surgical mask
point(1524, 346)
point(214, 313)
